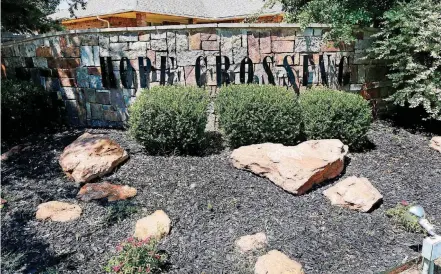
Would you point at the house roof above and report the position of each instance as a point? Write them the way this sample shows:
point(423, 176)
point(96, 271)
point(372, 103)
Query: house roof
point(207, 9)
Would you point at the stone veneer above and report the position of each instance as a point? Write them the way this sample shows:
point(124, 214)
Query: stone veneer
point(69, 62)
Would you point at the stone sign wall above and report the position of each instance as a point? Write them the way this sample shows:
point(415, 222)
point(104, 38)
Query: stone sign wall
point(98, 73)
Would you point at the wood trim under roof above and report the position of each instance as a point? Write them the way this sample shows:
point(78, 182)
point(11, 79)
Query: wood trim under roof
point(159, 18)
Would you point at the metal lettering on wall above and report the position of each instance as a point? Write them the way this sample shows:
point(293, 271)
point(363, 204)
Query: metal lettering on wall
point(127, 72)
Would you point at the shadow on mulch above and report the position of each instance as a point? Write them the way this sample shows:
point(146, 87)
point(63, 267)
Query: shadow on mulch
point(366, 146)
point(412, 120)
point(416, 248)
point(39, 160)
point(213, 143)
point(21, 251)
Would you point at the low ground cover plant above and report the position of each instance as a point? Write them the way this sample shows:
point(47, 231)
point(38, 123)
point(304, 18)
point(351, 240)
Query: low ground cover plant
point(332, 114)
point(137, 257)
point(27, 108)
point(402, 219)
point(252, 114)
point(120, 210)
point(170, 119)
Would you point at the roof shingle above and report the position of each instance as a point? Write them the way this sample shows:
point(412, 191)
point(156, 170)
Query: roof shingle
point(209, 9)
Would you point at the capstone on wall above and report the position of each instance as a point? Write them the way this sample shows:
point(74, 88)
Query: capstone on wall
point(98, 72)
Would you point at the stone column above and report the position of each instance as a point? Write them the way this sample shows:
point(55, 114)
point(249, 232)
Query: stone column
point(141, 19)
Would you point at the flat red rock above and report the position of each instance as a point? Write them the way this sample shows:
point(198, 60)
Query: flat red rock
point(91, 156)
point(96, 191)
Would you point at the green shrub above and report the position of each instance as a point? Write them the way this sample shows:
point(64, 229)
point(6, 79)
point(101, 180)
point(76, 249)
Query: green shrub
point(403, 219)
point(27, 108)
point(170, 119)
point(251, 114)
point(332, 114)
point(137, 257)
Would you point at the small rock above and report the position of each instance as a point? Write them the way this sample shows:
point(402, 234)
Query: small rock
point(2, 202)
point(354, 193)
point(14, 150)
point(92, 191)
point(156, 225)
point(275, 262)
point(435, 143)
point(294, 168)
point(91, 156)
point(251, 242)
point(58, 211)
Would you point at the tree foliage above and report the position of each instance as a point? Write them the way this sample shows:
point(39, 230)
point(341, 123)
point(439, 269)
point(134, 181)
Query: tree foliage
point(30, 16)
point(27, 16)
point(410, 42)
point(343, 15)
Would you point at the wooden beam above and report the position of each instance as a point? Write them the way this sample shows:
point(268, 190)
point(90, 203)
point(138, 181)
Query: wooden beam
point(141, 19)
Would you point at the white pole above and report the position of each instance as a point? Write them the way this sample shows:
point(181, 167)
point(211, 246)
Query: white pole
point(428, 266)
point(431, 251)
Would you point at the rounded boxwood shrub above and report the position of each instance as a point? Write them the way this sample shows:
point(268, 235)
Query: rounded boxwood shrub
point(170, 119)
point(333, 114)
point(251, 114)
point(27, 108)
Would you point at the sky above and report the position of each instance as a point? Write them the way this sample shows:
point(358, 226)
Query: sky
point(63, 5)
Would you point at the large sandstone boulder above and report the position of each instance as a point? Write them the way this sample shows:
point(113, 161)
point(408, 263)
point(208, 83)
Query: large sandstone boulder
point(58, 211)
point(275, 262)
point(91, 156)
point(251, 242)
point(294, 168)
point(435, 143)
point(156, 225)
point(354, 193)
point(96, 191)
